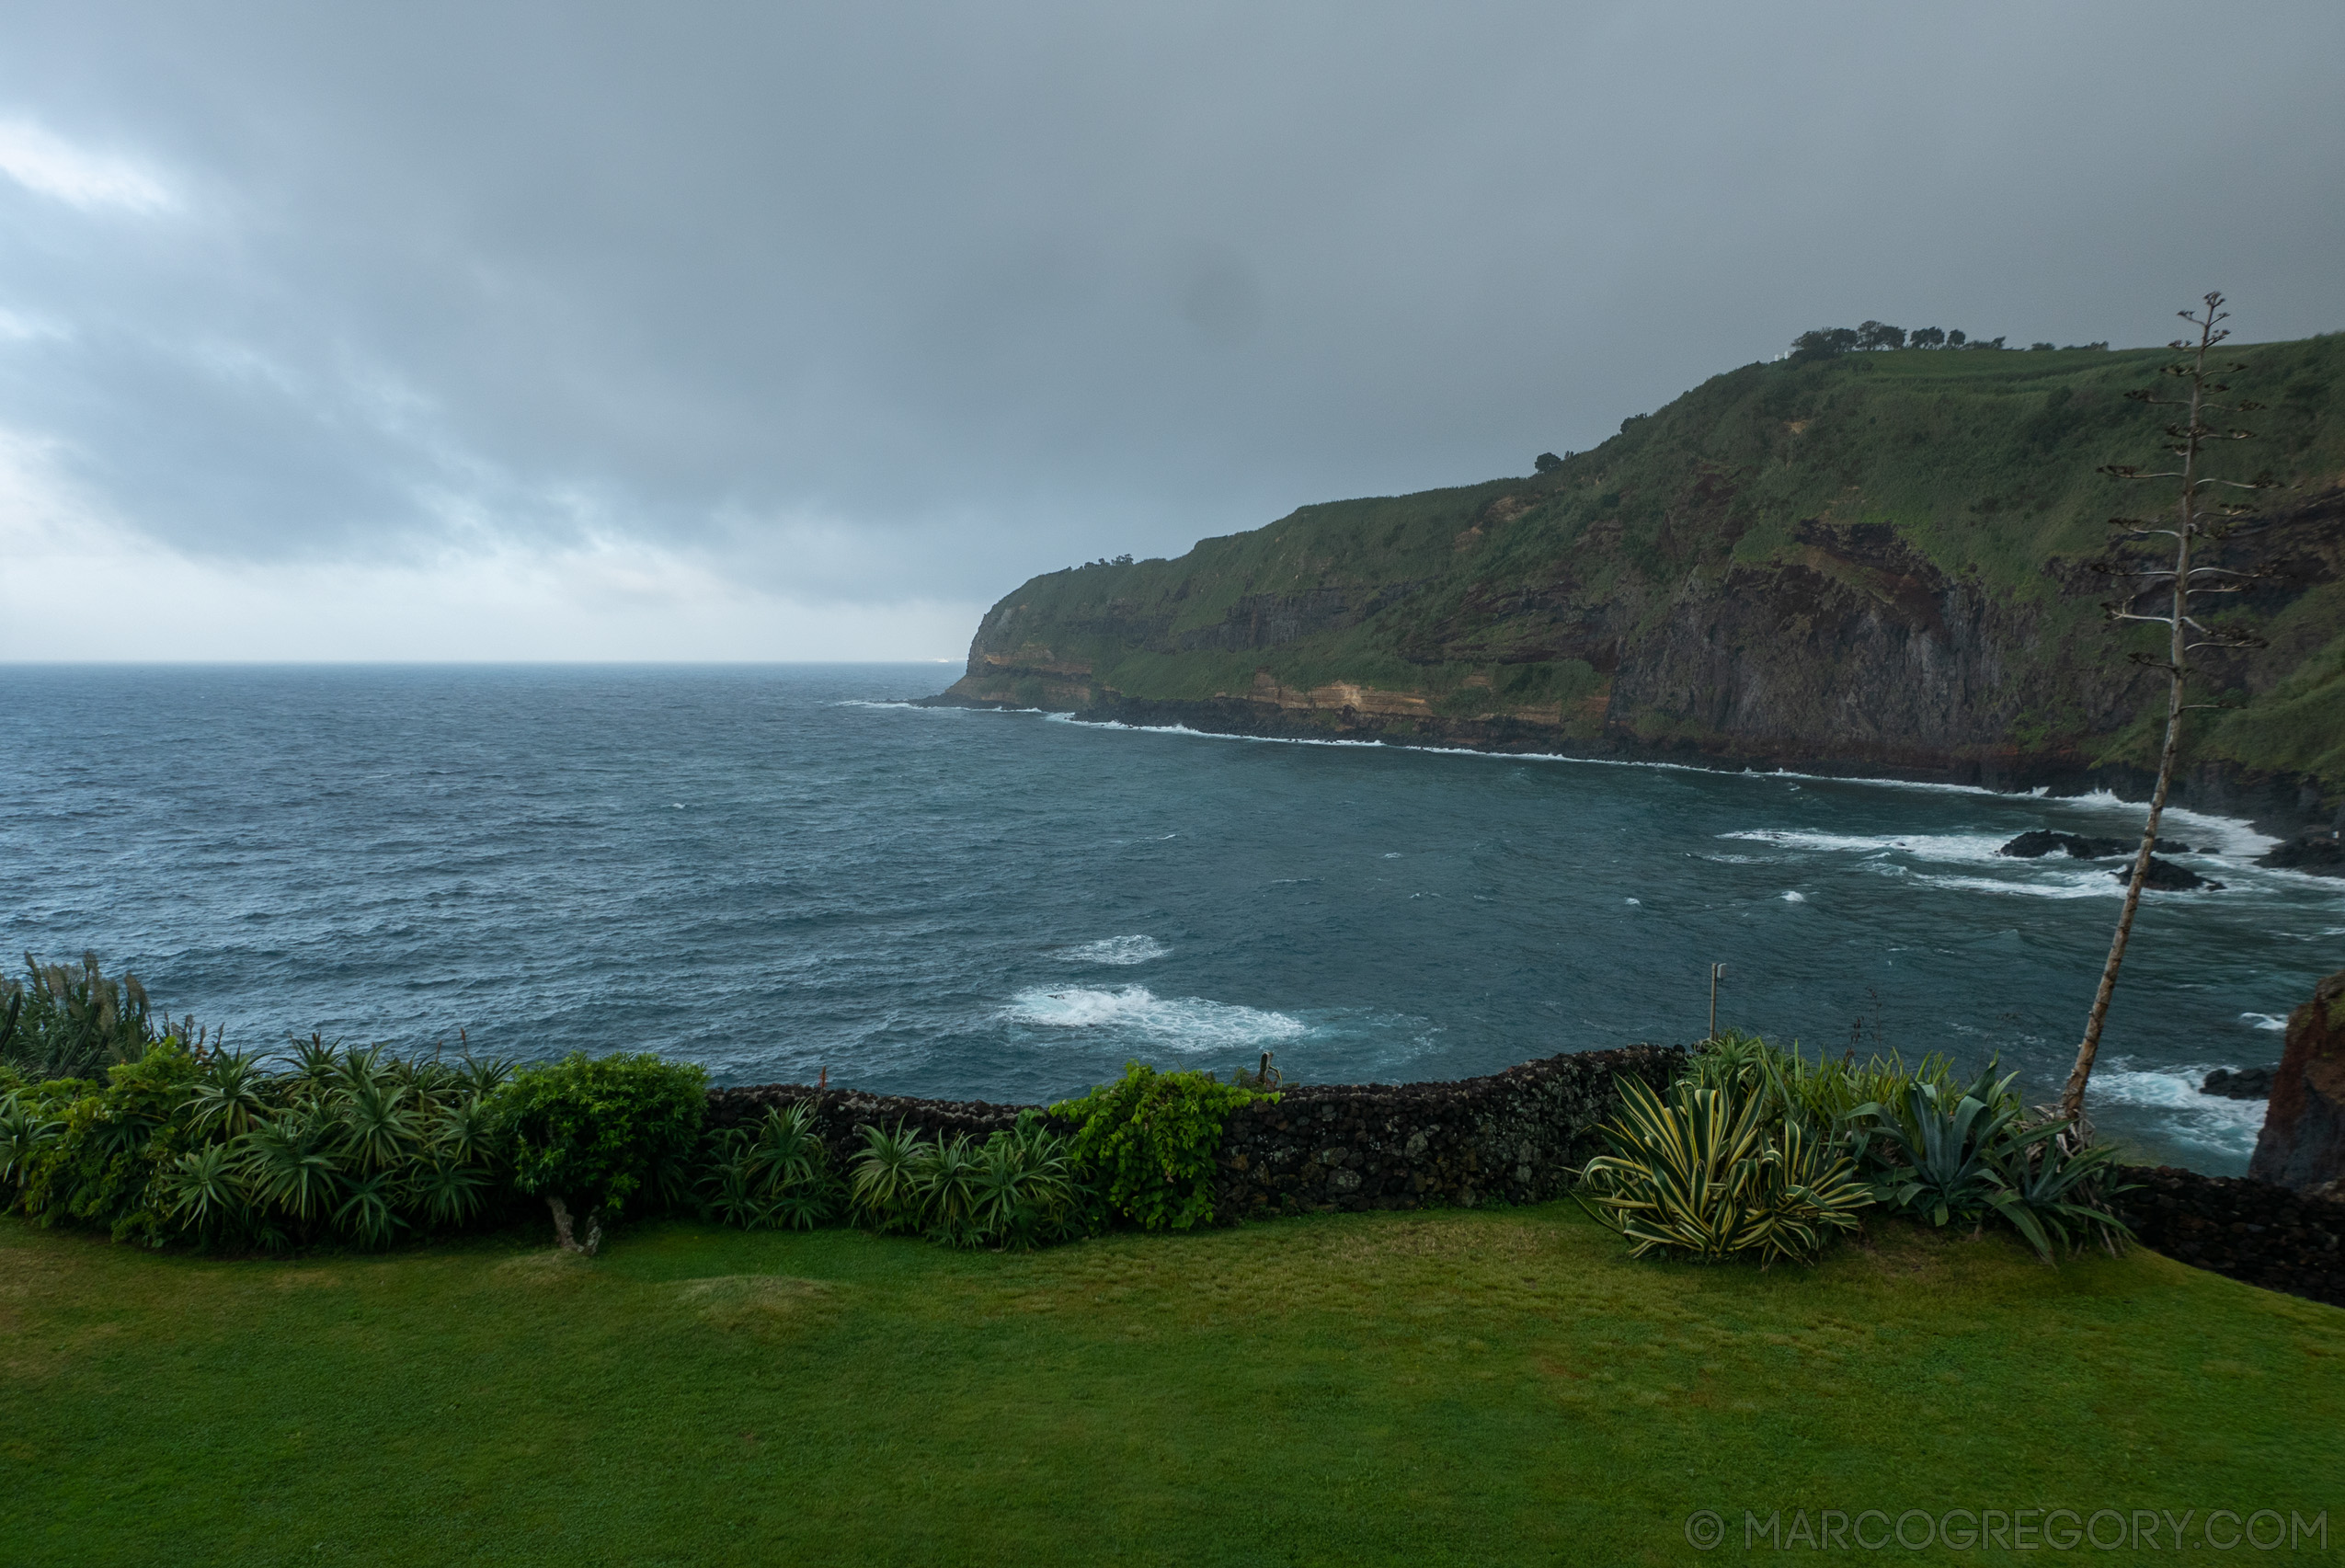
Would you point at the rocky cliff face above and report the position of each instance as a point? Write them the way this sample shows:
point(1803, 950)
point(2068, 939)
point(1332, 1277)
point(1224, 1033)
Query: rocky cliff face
point(1882, 569)
point(2303, 1141)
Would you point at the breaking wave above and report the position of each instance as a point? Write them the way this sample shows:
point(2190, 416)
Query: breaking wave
point(2210, 1121)
point(1117, 950)
point(1181, 1024)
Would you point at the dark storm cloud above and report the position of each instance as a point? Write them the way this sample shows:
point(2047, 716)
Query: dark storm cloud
point(899, 301)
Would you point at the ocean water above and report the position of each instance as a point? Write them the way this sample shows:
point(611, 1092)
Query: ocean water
point(777, 871)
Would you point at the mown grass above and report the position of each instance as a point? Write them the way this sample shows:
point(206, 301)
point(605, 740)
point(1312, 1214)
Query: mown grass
point(1487, 1387)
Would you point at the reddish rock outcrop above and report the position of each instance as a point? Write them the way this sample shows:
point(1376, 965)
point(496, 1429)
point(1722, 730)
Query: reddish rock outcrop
point(2303, 1141)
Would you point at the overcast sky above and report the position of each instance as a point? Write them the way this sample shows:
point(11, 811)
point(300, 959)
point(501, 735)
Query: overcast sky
point(712, 331)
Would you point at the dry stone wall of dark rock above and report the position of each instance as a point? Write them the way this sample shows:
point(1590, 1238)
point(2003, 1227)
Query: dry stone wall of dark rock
point(1512, 1137)
point(2256, 1231)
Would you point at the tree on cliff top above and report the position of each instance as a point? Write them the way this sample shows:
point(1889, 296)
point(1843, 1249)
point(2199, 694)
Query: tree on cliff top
point(2167, 595)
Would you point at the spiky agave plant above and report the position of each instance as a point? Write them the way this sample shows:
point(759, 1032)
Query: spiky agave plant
point(203, 1192)
point(230, 1097)
point(944, 1186)
point(1943, 1146)
point(369, 1213)
point(776, 1175)
point(24, 1133)
point(1023, 1193)
point(792, 1167)
point(1964, 1155)
point(289, 1164)
point(2061, 1194)
point(380, 1129)
point(310, 1071)
point(1715, 1172)
point(467, 1134)
point(882, 1184)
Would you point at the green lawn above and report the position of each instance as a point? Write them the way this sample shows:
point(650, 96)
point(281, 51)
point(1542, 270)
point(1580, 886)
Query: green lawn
point(1454, 1387)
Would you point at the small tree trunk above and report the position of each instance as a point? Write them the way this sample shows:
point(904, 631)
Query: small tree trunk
point(562, 1234)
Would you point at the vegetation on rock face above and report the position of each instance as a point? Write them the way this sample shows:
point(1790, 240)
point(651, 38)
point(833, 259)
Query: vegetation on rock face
point(1873, 559)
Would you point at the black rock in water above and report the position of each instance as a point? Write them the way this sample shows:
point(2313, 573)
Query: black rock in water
point(2166, 876)
point(2078, 846)
point(2322, 854)
point(2247, 1083)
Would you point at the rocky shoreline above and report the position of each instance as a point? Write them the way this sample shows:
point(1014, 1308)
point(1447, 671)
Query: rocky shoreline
point(2287, 807)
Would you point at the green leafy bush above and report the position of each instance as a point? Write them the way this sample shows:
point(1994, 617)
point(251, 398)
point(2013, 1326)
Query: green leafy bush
point(111, 1140)
point(1719, 1170)
point(594, 1132)
point(1147, 1141)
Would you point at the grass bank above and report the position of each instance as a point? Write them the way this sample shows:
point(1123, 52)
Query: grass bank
point(1490, 1387)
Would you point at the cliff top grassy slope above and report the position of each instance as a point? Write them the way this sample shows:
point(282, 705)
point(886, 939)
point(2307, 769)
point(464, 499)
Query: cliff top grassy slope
point(1462, 1386)
point(1918, 519)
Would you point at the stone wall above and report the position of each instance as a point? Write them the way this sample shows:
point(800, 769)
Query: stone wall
point(1513, 1136)
point(2251, 1230)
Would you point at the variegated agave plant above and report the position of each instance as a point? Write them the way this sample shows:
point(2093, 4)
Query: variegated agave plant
point(1720, 1171)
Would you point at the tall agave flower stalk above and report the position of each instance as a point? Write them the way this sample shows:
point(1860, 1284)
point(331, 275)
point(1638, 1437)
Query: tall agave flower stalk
point(2169, 594)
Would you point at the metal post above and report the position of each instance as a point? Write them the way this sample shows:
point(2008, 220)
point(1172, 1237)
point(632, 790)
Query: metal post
point(1717, 972)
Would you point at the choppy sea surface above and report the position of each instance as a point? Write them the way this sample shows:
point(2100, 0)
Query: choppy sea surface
point(780, 870)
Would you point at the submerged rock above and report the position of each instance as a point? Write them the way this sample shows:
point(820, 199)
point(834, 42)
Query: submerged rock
point(2164, 876)
point(2303, 1141)
point(2246, 1083)
point(2079, 846)
point(2321, 854)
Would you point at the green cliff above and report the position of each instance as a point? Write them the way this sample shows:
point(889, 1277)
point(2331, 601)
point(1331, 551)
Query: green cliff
point(1877, 563)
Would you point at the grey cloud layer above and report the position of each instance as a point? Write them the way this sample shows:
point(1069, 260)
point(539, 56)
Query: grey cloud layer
point(885, 302)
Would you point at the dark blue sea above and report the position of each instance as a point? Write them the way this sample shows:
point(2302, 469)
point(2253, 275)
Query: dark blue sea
point(780, 870)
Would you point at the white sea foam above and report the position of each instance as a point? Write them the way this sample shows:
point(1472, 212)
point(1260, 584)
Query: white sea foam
point(2265, 1020)
point(1181, 1023)
point(2088, 886)
point(1965, 848)
point(2211, 1121)
point(2219, 835)
point(1117, 950)
point(1795, 898)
